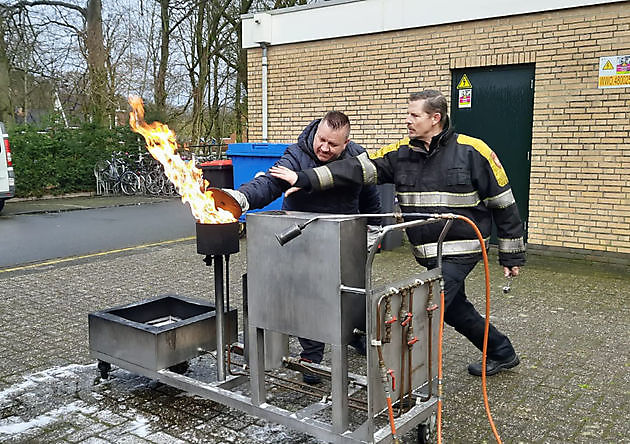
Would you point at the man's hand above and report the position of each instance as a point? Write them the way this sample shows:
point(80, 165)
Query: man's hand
point(280, 172)
point(284, 173)
point(238, 197)
point(511, 271)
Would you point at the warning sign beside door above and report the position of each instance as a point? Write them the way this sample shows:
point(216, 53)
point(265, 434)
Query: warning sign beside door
point(614, 72)
point(464, 83)
point(465, 98)
point(465, 92)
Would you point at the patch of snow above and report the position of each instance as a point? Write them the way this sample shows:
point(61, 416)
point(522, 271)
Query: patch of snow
point(14, 425)
point(140, 427)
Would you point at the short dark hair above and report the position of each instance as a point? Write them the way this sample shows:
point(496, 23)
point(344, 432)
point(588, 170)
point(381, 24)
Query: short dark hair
point(434, 102)
point(337, 120)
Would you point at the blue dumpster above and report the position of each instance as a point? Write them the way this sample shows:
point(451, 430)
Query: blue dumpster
point(249, 159)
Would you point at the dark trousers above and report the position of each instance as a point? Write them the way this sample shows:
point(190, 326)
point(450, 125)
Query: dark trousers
point(463, 317)
point(312, 350)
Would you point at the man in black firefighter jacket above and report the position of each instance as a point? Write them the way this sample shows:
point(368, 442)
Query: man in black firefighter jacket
point(436, 170)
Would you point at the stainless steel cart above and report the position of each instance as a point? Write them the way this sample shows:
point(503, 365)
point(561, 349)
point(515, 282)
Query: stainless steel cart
point(318, 286)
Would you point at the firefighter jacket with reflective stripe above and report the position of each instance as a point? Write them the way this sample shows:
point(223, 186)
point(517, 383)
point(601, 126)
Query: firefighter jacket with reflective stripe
point(458, 174)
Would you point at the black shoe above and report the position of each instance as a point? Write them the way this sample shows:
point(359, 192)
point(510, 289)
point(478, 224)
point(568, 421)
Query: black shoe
point(493, 367)
point(311, 378)
point(358, 343)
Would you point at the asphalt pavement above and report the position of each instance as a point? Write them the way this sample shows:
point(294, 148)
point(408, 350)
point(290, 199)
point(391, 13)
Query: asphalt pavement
point(35, 231)
point(568, 319)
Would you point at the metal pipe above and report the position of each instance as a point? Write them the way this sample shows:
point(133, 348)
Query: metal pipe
point(295, 230)
point(383, 371)
point(354, 290)
point(443, 234)
point(297, 364)
point(410, 342)
point(218, 309)
point(245, 319)
point(264, 92)
point(227, 282)
point(402, 315)
point(323, 394)
point(433, 218)
point(312, 391)
point(429, 308)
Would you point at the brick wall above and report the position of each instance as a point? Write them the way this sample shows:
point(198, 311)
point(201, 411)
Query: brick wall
point(580, 173)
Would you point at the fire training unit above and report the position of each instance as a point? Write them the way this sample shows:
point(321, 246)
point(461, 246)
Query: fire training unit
point(292, 274)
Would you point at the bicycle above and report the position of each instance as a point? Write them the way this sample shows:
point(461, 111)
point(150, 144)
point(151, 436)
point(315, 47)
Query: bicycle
point(116, 175)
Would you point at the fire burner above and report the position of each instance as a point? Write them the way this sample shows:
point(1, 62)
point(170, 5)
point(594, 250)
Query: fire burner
point(217, 239)
point(217, 242)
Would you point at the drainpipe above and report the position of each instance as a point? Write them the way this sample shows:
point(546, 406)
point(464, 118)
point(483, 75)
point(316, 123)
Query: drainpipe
point(264, 92)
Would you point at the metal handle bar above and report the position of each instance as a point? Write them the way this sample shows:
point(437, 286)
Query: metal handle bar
point(431, 218)
point(295, 230)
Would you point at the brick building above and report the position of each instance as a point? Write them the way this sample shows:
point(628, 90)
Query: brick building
point(364, 57)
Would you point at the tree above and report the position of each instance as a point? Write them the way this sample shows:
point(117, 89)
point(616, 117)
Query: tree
point(91, 42)
point(6, 111)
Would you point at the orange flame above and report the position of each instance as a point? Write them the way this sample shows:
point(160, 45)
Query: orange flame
point(187, 178)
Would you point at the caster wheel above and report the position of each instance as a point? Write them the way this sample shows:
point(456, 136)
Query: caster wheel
point(427, 431)
point(104, 368)
point(424, 435)
point(180, 368)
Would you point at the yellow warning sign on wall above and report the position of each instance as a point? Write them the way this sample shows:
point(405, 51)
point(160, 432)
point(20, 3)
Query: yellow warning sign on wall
point(614, 72)
point(614, 81)
point(464, 83)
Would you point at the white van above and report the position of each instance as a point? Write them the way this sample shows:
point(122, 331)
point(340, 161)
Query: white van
point(7, 179)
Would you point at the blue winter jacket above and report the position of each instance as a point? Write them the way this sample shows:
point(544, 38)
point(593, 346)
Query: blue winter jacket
point(351, 199)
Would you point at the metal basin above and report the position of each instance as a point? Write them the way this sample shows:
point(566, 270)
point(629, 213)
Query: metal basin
point(157, 333)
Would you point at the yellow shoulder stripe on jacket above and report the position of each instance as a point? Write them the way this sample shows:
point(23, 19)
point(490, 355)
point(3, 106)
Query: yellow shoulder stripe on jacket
point(389, 148)
point(485, 151)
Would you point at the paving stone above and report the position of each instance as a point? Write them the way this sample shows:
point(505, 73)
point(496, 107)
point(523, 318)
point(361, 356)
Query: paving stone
point(163, 438)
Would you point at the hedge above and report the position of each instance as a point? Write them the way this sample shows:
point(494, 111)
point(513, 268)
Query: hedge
point(61, 160)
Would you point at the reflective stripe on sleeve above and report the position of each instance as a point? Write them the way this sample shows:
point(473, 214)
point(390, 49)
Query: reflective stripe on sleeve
point(503, 200)
point(389, 148)
point(449, 248)
point(324, 176)
point(438, 199)
point(369, 170)
point(511, 245)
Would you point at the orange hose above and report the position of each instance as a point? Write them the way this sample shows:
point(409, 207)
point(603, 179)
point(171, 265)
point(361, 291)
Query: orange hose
point(485, 342)
point(440, 337)
point(390, 411)
point(486, 329)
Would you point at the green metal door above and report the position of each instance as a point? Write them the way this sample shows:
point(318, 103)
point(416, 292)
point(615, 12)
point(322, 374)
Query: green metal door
point(496, 104)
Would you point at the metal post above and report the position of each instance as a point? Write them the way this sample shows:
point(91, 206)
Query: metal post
point(264, 93)
point(257, 365)
point(339, 387)
point(245, 321)
point(218, 307)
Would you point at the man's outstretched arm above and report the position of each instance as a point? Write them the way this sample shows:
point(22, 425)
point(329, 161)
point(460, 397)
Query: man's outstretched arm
point(359, 170)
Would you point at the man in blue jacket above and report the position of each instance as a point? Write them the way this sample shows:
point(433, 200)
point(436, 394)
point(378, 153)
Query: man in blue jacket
point(322, 141)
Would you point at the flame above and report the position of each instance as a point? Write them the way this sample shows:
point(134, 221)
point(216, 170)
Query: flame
point(187, 178)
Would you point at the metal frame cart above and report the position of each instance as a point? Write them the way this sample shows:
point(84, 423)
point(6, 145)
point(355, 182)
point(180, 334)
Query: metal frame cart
point(318, 286)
